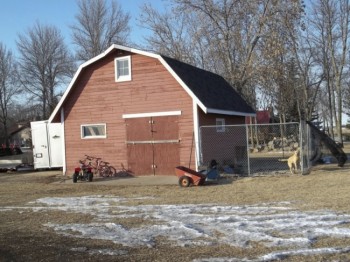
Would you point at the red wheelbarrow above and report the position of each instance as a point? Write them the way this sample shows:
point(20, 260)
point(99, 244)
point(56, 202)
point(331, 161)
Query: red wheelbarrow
point(188, 176)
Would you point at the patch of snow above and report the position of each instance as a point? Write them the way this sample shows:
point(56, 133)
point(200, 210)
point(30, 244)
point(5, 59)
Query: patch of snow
point(305, 252)
point(270, 224)
point(109, 252)
point(280, 255)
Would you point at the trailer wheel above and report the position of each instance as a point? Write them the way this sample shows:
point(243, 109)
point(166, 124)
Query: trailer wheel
point(90, 176)
point(184, 181)
point(75, 177)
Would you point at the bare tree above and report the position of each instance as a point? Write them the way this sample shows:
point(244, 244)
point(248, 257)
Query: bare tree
point(331, 20)
point(295, 60)
point(277, 73)
point(99, 26)
point(346, 96)
point(223, 36)
point(9, 87)
point(45, 64)
point(263, 46)
point(170, 36)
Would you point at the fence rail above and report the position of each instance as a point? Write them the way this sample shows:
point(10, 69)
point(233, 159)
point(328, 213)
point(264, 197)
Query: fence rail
point(247, 150)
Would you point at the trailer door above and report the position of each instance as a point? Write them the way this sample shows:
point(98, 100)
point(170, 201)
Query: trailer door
point(40, 145)
point(55, 144)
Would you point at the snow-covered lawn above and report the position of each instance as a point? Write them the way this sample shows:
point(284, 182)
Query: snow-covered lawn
point(271, 224)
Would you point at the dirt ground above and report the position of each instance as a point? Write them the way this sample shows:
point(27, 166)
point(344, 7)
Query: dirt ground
point(24, 238)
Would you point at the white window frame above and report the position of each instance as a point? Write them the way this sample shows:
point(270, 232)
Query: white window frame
point(126, 77)
point(93, 136)
point(220, 125)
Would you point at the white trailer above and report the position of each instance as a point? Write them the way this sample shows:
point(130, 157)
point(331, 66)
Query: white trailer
point(47, 139)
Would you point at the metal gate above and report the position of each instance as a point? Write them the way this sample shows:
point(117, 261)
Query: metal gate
point(152, 145)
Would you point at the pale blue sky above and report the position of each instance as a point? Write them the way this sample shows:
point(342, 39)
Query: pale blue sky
point(16, 16)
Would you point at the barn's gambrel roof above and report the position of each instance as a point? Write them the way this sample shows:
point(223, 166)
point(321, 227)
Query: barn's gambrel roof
point(214, 92)
point(209, 91)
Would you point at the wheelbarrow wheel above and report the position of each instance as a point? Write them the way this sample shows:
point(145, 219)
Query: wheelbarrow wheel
point(184, 181)
point(75, 177)
point(90, 176)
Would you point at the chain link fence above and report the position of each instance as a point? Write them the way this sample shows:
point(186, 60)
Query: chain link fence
point(246, 150)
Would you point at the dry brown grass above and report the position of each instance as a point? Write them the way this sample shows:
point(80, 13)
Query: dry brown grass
point(24, 238)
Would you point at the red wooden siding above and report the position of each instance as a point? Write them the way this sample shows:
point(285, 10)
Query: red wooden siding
point(96, 98)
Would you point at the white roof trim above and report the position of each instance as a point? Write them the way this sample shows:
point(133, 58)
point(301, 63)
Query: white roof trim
point(152, 114)
point(226, 112)
point(136, 51)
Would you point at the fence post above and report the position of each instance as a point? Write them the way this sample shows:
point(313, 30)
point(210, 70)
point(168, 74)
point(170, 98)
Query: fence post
point(248, 156)
point(301, 146)
point(305, 142)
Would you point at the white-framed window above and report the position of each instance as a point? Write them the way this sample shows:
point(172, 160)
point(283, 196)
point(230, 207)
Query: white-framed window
point(122, 68)
point(220, 125)
point(93, 131)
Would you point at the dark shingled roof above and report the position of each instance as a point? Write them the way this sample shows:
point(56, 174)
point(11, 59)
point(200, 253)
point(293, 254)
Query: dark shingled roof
point(211, 89)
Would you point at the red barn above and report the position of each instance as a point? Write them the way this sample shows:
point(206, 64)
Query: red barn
point(142, 111)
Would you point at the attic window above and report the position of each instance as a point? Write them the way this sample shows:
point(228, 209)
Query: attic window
point(220, 125)
point(122, 69)
point(93, 131)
